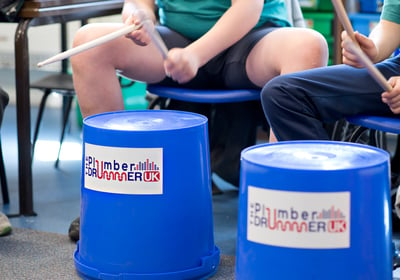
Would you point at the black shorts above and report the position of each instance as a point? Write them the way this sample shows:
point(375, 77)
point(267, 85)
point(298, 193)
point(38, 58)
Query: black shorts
point(226, 70)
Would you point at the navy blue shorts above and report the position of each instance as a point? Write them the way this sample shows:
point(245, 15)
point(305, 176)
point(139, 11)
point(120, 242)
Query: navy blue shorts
point(226, 70)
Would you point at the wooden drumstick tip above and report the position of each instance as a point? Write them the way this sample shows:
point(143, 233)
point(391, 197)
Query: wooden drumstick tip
point(91, 44)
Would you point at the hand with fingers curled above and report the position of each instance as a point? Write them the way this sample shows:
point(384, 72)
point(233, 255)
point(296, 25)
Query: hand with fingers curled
point(181, 65)
point(366, 45)
point(139, 36)
point(392, 98)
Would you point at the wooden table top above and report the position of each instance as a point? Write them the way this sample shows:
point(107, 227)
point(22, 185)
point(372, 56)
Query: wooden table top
point(39, 8)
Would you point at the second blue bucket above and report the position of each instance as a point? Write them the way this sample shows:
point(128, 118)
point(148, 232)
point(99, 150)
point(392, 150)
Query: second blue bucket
point(146, 207)
point(314, 210)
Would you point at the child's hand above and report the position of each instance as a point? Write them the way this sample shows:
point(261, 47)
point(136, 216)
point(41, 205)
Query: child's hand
point(181, 65)
point(139, 36)
point(366, 45)
point(392, 98)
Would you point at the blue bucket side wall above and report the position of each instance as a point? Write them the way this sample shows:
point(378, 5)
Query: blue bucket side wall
point(369, 255)
point(152, 233)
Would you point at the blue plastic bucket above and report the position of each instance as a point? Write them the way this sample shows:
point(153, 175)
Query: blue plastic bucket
point(314, 210)
point(146, 205)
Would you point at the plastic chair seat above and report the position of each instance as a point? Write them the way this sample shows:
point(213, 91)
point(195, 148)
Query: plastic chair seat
point(386, 124)
point(376, 125)
point(205, 95)
point(60, 82)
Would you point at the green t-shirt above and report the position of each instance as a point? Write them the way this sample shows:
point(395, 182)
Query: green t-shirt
point(193, 18)
point(391, 11)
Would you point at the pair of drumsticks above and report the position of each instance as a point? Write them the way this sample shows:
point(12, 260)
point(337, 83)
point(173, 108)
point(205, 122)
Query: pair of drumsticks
point(159, 43)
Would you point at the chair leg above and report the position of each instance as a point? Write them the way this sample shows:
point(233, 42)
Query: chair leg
point(39, 119)
point(67, 110)
point(3, 179)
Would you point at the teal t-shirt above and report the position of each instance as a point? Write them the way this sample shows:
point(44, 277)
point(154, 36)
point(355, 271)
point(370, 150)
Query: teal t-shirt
point(391, 11)
point(193, 18)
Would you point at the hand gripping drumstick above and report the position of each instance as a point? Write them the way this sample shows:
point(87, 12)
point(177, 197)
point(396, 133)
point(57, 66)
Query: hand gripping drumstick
point(373, 71)
point(154, 35)
point(354, 47)
point(89, 45)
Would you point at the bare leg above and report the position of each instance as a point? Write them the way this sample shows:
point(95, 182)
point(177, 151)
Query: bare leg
point(272, 138)
point(283, 51)
point(94, 71)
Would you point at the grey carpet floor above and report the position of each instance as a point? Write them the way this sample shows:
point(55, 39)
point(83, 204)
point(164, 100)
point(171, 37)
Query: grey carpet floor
point(33, 255)
point(30, 254)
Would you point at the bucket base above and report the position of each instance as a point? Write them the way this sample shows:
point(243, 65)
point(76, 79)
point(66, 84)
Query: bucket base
point(207, 268)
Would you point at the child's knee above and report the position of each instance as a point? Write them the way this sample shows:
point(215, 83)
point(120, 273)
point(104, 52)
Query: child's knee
point(317, 47)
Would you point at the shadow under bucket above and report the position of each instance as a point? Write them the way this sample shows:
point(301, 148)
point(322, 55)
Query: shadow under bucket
point(314, 210)
point(146, 205)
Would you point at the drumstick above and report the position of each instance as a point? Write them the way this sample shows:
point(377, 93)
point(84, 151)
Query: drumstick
point(344, 19)
point(154, 36)
point(153, 33)
point(373, 71)
point(90, 44)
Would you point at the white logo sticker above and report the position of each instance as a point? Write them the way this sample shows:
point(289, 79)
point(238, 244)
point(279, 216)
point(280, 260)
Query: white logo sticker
point(123, 170)
point(298, 219)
